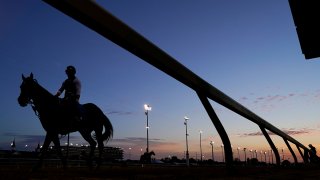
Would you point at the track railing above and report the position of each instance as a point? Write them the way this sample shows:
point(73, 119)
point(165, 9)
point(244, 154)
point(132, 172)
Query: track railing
point(100, 20)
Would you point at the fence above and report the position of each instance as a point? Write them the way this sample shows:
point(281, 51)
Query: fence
point(98, 19)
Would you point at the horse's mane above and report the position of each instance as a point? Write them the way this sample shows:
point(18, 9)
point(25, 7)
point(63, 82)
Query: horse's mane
point(43, 90)
point(45, 95)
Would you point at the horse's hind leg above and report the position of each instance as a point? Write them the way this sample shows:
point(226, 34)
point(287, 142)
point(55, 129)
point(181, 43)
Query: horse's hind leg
point(100, 146)
point(87, 136)
point(43, 151)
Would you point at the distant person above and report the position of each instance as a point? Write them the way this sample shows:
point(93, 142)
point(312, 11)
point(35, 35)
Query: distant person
point(313, 149)
point(313, 154)
point(72, 89)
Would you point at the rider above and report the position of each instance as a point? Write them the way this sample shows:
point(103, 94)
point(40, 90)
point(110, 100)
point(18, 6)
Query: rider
point(72, 88)
point(313, 154)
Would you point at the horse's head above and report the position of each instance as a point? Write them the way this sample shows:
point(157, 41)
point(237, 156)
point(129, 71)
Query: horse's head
point(26, 90)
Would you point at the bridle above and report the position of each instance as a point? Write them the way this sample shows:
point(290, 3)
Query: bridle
point(29, 100)
point(34, 108)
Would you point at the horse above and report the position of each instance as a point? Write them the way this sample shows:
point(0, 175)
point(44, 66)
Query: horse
point(146, 157)
point(57, 120)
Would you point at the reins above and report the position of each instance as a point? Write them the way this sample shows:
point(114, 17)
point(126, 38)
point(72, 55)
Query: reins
point(34, 108)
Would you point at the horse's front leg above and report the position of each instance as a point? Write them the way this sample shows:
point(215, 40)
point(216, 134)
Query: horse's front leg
point(56, 142)
point(43, 151)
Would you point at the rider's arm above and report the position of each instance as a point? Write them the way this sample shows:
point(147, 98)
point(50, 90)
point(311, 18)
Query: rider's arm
point(78, 89)
point(62, 88)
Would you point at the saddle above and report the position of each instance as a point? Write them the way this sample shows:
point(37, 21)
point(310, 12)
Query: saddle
point(74, 111)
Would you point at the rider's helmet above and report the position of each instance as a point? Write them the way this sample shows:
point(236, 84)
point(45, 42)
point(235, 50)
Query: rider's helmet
point(71, 70)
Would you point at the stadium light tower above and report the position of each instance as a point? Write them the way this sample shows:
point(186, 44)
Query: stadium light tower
point(239, 154)
point(212, 155)
point(200, 132)
point(187, 152)
point(222, 151)
point(147, 107)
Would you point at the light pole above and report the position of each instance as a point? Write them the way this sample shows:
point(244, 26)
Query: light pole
point(239, 154)
point(222, 152)
point(211, 143)
point(129, 153)
point(200, 132)
point(147, 107)
point(187, 153)
point(271, 156)
point(245, 155)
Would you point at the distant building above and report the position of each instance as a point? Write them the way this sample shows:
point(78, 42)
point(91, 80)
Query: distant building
point(74, 152)
point(82, 152)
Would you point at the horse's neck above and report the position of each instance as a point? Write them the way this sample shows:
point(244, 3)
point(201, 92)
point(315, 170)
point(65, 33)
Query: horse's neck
point(42, 97)
point(44, 103)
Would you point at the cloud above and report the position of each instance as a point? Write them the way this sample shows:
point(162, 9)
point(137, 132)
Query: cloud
point(34, 140)
point(291, 131)
point(271, 101)
point(260, 98)
point(119, 113)
point(135, 141)
point(277, 98)
point(21, 136)
point(312, 96)
point(243, 99)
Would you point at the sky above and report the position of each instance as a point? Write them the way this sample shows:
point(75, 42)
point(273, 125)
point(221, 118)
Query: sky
point(247, 49)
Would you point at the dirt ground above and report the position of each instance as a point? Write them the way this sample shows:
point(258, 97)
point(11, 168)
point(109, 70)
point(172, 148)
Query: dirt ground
point(158, 172)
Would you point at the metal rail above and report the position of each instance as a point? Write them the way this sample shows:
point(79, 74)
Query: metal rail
point(98, 19)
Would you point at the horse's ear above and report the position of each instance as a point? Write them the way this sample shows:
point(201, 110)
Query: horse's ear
point(23, 78)
point(31, 75)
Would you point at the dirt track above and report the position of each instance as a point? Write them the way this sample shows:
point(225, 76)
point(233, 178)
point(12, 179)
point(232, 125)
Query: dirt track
point(157, 172)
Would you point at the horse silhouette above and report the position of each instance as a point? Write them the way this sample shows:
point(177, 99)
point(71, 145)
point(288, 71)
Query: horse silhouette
point(146, 157)
point(56, 119)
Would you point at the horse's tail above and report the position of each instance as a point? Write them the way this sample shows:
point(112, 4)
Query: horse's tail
point(102, 118)
point(108, 129)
